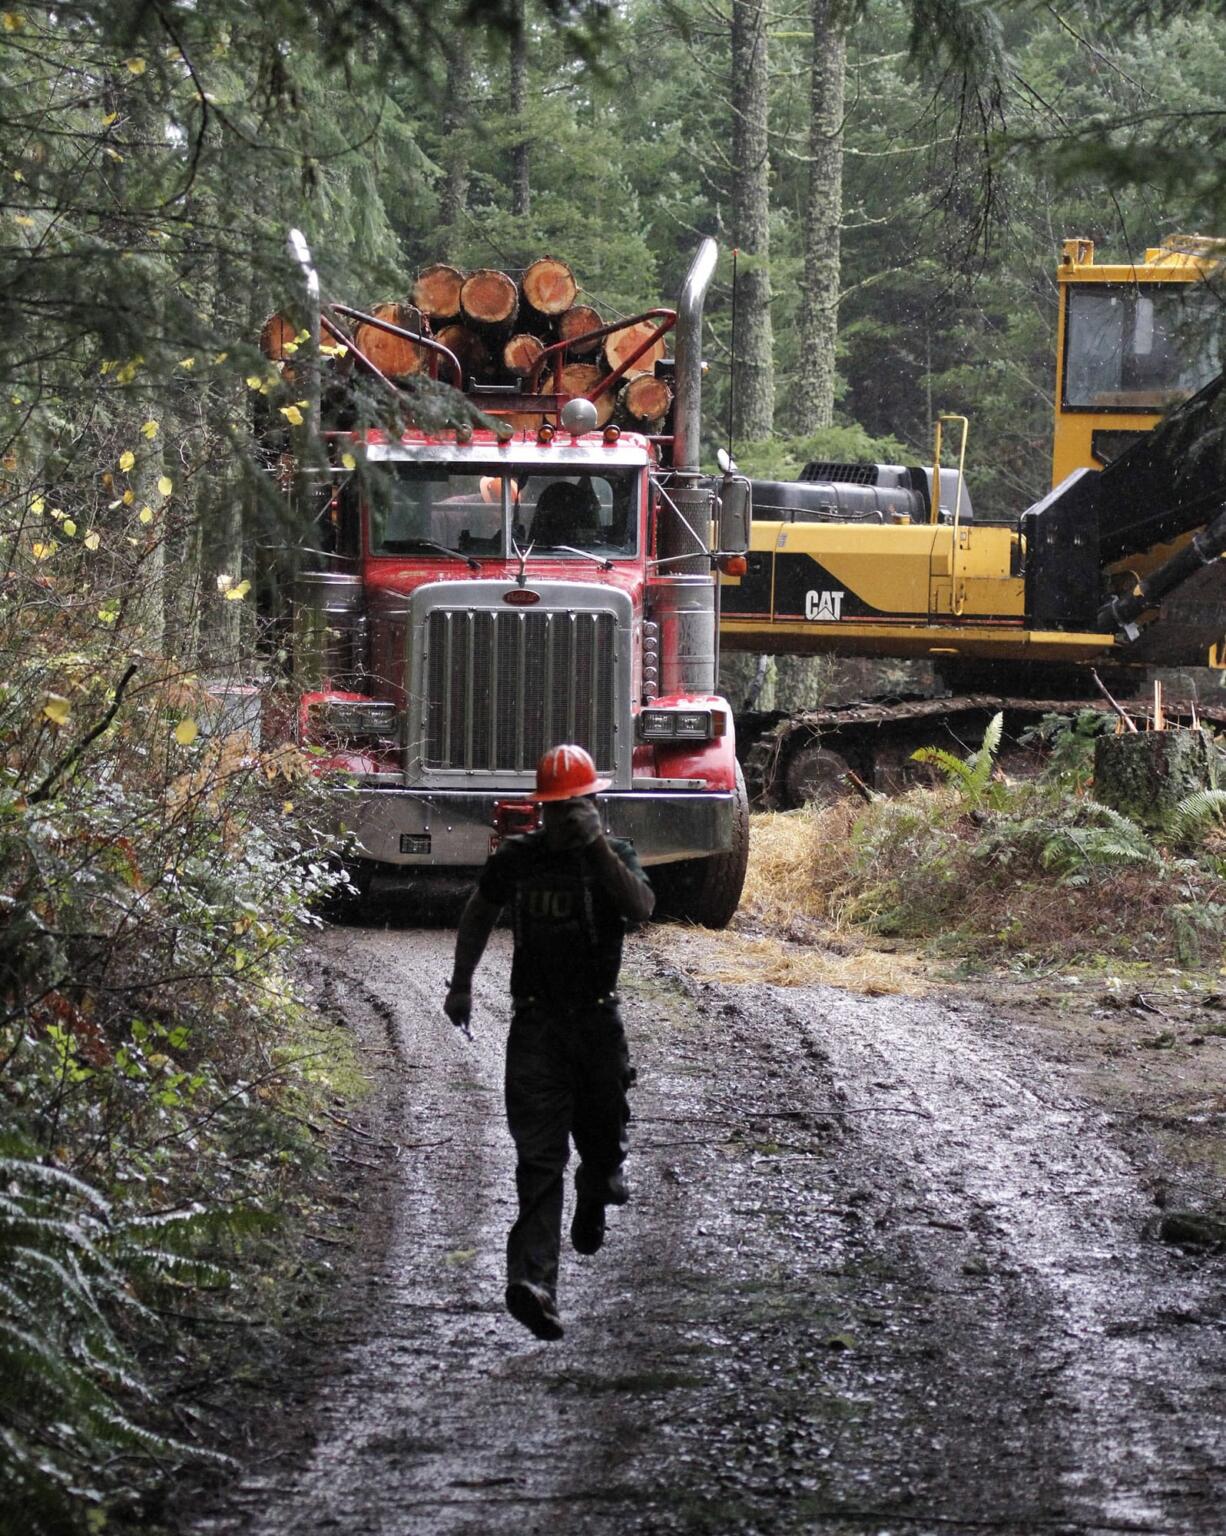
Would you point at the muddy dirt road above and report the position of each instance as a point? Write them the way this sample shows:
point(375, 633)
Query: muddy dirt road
point(887, 1269)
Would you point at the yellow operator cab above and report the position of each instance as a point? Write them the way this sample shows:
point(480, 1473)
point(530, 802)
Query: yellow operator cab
point(1132, 340)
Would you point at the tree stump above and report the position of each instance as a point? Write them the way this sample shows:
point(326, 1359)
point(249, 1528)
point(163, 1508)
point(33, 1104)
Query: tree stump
point(1145, 775)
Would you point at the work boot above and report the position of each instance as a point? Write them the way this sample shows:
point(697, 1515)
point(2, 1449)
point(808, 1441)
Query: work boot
point(587, 1226)
point(534, 1307)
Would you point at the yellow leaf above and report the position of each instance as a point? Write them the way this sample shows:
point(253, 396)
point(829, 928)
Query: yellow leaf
point(150, 430)
point(303, 335)
point(92, 540)
point(348, 460)
point(220, 357)
point(287, 807)
point(186, 732)
point(12, 21)
point(165, 485)
point(126, 460)
point(236, 594)
point(188, 363)
point(113, 154)
point(136, 66)
point(19, 176)
point(288, 348)
point(43, 551)
point(111, 117)
point(146, 515)
point(253, 381)
point(57, 513)
point(57, 708)
point(292, 414)
point(303, 405)
point(37, 506)
point(24, 220)
point(128, 497)
point(69, 528)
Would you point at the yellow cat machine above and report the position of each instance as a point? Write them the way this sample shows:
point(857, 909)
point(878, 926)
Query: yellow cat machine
point(1115, 570)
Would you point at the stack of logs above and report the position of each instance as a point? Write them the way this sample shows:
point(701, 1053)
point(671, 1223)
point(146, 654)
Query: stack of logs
point(498, 328)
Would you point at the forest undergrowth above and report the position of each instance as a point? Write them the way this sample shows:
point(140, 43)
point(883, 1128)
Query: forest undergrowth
point(979, 869)
point(159, 1072)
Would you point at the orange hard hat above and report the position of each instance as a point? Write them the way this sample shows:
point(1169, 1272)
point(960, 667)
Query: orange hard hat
point(567, 773)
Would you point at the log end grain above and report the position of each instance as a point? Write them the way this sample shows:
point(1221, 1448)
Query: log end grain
point(549, 286)
point(277, 332)
point(489, 297)
point(519, 354)
point(437, 291)
point(624, 343)
point(473, 355)
point(575, 324)
point(579, 379)
point(647, 398)
point(395, 356)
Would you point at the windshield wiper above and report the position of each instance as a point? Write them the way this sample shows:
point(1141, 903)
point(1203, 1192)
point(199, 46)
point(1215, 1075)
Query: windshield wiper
point(601, 560)
point(442, 549)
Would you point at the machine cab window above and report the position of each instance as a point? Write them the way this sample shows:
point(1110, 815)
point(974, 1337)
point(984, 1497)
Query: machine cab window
point(1139, 347)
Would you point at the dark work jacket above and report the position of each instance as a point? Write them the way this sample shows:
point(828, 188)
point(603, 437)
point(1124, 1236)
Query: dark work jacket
point(568, 933)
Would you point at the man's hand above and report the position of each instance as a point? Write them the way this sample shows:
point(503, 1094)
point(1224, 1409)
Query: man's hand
point(580, 823)
point(458, 1007)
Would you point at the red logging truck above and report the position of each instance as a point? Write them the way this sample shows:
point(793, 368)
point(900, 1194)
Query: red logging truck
point(490, 592)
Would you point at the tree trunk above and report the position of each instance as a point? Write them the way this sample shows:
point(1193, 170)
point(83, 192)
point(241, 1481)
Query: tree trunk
point(520, 191)
point(453, 199)
point(753, 379)
point(819, 308)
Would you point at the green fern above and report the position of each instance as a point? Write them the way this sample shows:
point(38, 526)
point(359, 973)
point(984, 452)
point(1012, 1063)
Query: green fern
point(1102, 837)
point(1207, 807)
point(972, 775)
point(69, 1392)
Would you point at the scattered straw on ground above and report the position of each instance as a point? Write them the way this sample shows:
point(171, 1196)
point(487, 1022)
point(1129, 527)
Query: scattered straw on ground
point(734, 959)
point(784, 934)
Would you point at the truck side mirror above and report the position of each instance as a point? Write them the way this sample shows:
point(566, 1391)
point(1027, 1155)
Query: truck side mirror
point(735, 514)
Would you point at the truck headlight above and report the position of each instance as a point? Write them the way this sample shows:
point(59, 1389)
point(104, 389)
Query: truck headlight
point(355, 719)
point(680, 724)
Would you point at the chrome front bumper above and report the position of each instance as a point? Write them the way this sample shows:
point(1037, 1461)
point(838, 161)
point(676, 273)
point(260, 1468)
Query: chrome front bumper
point(453, 829)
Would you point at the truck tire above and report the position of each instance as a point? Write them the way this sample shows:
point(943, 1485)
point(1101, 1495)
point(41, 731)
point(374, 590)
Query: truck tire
point(708, 891)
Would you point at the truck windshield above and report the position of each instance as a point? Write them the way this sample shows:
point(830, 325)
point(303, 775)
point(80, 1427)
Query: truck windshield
point(426, 509)
point(1140, 347)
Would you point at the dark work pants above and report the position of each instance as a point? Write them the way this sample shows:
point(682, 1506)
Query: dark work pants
point(567, 1075)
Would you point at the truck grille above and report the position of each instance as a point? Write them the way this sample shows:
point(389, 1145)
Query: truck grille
point(502, 687)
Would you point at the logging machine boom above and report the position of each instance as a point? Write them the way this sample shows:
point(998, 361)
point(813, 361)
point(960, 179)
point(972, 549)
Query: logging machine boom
point(525, 577)
point(1117, 566)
